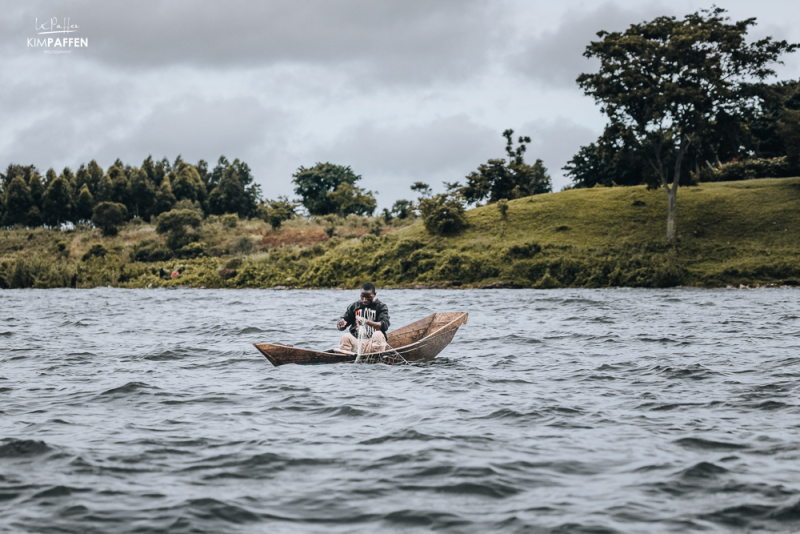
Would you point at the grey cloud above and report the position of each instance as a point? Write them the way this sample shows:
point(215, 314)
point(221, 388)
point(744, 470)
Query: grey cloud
point(555, 142)
point(402, 40)
point(556, 58)
point(199, 128)
point(390, 158)
point(193, 127)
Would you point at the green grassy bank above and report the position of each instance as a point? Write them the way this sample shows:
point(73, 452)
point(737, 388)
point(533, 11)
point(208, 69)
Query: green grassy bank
point(731, 233)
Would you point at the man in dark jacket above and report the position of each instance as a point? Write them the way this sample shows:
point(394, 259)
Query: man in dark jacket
point(370, 314)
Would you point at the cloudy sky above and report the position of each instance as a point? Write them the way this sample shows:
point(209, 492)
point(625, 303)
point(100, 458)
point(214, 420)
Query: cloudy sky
point(400, 90)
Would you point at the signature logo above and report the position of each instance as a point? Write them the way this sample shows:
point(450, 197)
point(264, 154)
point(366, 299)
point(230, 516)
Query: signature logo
point(54, 25)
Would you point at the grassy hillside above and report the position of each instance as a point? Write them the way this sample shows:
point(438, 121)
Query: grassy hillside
point(730, 233)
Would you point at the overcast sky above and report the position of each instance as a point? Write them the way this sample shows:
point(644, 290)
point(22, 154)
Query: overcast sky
point(400, 90)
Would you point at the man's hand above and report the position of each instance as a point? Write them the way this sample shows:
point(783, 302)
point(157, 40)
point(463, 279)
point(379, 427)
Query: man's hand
point(341, 324)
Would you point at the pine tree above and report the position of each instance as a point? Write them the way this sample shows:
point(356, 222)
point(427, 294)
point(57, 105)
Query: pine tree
point(85, 205)
point(105, 189)
point(164, 198)
point(141, 193)
point(95, 175)
point(188, 184)
point(71, 180)
point(57, 205)
point(50, 175)
point(119, 182)
point(150, 170)
point(36, 189)
point(18, 201)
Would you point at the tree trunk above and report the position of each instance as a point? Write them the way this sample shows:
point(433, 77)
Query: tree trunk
point(672, 213)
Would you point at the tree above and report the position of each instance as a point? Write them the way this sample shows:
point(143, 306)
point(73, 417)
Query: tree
point(108, 216)
point(275, 212)
point(188, 184)
point(236, 192)
point(68, 175)
point(402, 208)
point(57, 205)
point(665, 82)
point(37, 188)
point(502, 207)
point(497, 180)
point(141, 193)
point(50, 175)
point(84, 206)
point(164, 197)
point(175, 224)
point(588, 168)
point(443, 214)
point(18, 201)
point(351, 199)
point(789, 131)
point(119, 183)
point(94, 173)
point(314, 184)
point(105, 189)
point(216, 174)
point(422, 188)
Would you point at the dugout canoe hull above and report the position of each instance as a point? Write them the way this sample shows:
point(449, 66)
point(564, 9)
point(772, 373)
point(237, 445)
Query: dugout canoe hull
point(419, 341)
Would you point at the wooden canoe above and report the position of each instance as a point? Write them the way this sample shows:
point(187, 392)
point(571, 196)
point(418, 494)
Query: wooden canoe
point(420, 341)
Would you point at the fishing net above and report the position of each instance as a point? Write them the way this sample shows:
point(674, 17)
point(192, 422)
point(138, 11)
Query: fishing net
point(389, 356)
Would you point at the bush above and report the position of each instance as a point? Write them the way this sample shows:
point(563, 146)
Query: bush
point(526, 250)
point(108, 216)
point(243, 245)
point(39, 272)
point(748, 169)
point(174, 223)
point(97, 251)
point(152, 252)
point(443, 214)
point(192, 250)
point(229, 220)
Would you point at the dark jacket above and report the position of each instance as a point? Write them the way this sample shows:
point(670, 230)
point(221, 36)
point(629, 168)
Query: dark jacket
point(377, 311)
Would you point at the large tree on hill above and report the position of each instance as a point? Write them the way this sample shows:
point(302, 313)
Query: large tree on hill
point(236, 192)
point(667, 81)
point(317, 186)
point(498, 179)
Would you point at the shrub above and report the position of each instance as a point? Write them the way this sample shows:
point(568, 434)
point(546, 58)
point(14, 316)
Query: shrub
point(443, 214)
point(175, 223)
point(526, 250)
point(229, 220)
point(152, 252)
point(108, 216)
point(243, 245)
point(97, 251)
point(192, 250)
point(748, 169)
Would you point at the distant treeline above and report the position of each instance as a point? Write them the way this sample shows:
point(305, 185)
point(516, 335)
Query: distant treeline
point(27, 198)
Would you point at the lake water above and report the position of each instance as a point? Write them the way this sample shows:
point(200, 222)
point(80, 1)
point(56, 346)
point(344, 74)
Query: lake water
point(551, 411)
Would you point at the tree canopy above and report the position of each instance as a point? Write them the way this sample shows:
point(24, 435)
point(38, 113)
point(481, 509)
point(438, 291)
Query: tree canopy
point(498, 179)
point(326, 188)
point(667, 82)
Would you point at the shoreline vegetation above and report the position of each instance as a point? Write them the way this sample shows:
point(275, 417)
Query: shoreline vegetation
point(743, 233)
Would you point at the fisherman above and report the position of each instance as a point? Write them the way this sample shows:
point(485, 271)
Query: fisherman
point(370, 314)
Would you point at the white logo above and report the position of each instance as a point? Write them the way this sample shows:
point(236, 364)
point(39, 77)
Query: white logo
point(55, 26)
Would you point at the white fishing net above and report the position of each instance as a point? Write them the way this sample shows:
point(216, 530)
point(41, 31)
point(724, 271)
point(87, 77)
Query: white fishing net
point(389, 356)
